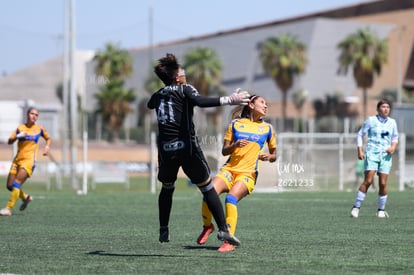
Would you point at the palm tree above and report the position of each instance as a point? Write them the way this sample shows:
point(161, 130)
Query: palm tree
point(299, 98)
point(115, 65)
point(283, 58)
point(203, 68)
point(366, 53)
point(113, 101)
point(113, 62)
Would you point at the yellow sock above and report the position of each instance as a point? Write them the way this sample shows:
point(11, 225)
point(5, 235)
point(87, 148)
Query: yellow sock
point(231, 213)
point(14, 195)
point(22, 195)
point(206, 214)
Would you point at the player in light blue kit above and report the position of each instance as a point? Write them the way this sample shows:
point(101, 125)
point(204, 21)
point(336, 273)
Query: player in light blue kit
point(381, 144)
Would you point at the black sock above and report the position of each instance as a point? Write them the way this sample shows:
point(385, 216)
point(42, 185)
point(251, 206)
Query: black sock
point(165, 204)
point(215, 206)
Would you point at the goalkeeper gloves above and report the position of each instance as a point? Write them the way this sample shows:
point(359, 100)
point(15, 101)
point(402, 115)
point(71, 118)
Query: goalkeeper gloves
point(238, 97)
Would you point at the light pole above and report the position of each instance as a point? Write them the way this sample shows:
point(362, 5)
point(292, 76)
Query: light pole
point(399, 64)
point(65, 90)
point(73, 101)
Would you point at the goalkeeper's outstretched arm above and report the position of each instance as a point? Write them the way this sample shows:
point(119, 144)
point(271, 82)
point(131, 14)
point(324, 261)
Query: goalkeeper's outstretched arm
point(238, 97)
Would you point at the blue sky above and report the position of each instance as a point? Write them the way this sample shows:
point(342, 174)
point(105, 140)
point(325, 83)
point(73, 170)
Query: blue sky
point(32, 31)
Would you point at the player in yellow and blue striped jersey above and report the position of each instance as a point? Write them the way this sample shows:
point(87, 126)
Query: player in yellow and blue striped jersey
point(28, 136)
point(244, 143)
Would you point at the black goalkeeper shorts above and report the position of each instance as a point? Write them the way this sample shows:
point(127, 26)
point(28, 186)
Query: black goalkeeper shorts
point(191, 160)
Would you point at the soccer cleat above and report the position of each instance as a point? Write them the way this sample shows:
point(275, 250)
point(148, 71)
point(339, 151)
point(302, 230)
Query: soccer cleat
point(226, 247)
point(207, 230)
point(382, 214)
point(164, 235)
point(5, 212)
point(26, 202)
point(227, 236)
point(355, 212)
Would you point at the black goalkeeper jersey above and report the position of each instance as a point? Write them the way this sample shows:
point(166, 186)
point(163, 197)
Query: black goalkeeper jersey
point(174, 106)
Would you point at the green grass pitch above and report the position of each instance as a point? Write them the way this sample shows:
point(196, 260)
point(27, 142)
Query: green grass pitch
point(114, 231)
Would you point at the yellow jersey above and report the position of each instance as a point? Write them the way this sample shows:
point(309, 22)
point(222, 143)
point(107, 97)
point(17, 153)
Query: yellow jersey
point(28, 146)
point(245, 159)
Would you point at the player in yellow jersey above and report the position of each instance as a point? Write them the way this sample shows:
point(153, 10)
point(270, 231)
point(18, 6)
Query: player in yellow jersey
point(28, 137)
point(244, 142)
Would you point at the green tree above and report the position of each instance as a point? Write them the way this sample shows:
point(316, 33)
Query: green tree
point(113, 62)
point(283, 58)
point(115, 65)
point(203, 68)
point(299, 98)
point(366, 54)
point(114, 105)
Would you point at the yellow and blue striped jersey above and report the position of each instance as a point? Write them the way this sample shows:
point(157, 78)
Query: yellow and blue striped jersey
point(245, 159)
point(28, 146)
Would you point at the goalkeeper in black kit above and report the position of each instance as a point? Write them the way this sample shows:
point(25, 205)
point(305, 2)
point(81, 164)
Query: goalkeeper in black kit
point(177, 142)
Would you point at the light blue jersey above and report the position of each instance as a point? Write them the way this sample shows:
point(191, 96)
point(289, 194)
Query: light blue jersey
point(381, 132)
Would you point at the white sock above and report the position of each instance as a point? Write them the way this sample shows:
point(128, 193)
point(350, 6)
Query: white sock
point(359, 199)
point(382, 200)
